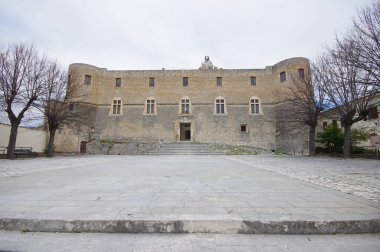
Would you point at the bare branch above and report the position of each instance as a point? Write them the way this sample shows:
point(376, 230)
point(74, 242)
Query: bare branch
point(304, 103)
point(63, 103)
point(22, 72)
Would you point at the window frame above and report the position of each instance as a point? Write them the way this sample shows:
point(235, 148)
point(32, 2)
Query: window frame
point(324, 126)
point(185, 81)
point(256, 105)
point(373, 113)
point(116, 107)
point(253, 81)
point(87, 79)
point(220, 107)
point(118, 82)
point(245, 126)
point(185, 106)
point(151, 82)
point(150, 107)
point(301, 73)
point(219, 81)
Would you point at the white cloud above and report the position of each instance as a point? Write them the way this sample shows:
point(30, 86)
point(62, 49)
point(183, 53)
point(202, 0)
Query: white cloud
point(149, 34)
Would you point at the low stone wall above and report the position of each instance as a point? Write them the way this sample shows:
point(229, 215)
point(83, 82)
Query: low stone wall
point(120, 148)
point(240, 149)
point(26, 137)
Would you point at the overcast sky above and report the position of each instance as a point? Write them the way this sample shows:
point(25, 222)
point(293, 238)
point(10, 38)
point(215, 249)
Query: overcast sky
point(148, 34)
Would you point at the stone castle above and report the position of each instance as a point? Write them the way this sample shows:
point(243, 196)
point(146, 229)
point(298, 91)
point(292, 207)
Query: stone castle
point(205, 105)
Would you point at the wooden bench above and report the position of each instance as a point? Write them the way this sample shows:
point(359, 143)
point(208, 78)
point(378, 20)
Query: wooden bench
point(24, 151)
point(3, 149)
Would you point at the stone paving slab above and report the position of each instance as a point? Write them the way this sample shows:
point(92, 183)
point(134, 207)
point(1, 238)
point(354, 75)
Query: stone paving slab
point(218, 194)
point(41, 242)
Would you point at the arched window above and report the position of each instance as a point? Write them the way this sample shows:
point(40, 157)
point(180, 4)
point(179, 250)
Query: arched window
point(185, 107)
point(220, 105)
point(150, 106)
point(254, 105)
point(117, 106)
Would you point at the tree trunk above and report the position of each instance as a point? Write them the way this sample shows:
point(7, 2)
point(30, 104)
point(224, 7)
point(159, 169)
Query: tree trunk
point(50, 147)
point(312, 140)
point(12, 140)
point(347, 141)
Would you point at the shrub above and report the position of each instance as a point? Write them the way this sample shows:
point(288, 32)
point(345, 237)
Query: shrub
point(332, 138)
point(358, 150)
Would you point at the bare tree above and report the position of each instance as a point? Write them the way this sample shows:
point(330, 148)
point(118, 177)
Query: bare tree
point(365, 40)
point(22, 73)
point(348, 87)
point(305, 102)
point(62, 103)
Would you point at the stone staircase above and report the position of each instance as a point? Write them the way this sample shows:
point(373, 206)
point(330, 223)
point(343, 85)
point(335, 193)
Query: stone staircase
point(184, 148)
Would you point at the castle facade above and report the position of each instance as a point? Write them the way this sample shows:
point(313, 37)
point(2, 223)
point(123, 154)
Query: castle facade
point(205, 105)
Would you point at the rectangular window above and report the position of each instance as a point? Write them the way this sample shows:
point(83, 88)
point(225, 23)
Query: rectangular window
point(219, 81)
point(373, 113)
point(87, 79)
point(282, 76)
point(253, 81)
point(324, 126)
point(151, 82)
point(335, 123)
point(301, 73)
point(255, 106)
point(220, 106)
point(185, 81)
point(185, 106)
point(243, 128)
point(118, 82)
point(150, 106)
point(116, 109)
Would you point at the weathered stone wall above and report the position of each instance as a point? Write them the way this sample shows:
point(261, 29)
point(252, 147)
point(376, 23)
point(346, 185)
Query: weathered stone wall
point(291, 138)
point(114, 148)
point(206, 126)
point(68, 140)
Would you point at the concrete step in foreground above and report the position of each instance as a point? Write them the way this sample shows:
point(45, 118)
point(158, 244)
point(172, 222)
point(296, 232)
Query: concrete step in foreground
point(221, 226)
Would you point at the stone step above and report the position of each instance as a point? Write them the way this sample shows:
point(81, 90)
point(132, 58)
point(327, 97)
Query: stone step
point(183, 148)
point(203, 225)
point(184, 153)
point(189, 149)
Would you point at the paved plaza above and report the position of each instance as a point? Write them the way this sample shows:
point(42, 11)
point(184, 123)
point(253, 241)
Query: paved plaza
point(182, 194)
point(357, 177)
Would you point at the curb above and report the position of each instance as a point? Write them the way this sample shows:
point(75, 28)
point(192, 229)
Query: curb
point(191, 226)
